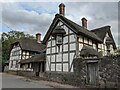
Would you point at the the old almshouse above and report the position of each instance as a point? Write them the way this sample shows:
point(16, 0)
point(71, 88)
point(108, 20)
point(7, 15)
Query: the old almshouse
point(63, 43)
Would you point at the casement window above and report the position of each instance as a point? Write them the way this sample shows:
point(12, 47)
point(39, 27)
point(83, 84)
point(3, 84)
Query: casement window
point(59, 39)
point(108, 47)
point(58, 33)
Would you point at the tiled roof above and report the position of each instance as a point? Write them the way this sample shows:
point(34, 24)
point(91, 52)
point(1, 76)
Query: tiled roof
point(75, 27)
point(30, 44)
point(101, 33)
point(79, 29)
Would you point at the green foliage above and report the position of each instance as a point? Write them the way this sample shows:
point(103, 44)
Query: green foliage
point(9, 38)
point(100, 54)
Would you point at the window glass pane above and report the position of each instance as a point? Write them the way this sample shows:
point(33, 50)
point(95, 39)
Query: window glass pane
point(59, 39)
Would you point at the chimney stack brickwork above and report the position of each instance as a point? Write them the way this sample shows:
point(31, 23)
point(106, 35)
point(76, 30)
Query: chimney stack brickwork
point(84, 22)
point(62, 9)
point(38, 37)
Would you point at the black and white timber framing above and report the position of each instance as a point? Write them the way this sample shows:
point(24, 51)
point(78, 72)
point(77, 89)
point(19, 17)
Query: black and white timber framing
point(61, 58)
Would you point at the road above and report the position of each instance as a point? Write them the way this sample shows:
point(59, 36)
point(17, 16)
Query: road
point(12, 81)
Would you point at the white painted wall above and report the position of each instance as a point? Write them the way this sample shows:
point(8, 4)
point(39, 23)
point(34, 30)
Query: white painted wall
point(59, 67)
point(65, 39)
point(48, 63)
point(80, 38)
point(85, 40)
point(52, 67)
point(65, 66)
point(104, 46)
point(15, 57)
point(65, 55)
point(65, 47)
point(52, 58)
point(66, 29)
point(80, 46)
point(72, 38)
point(72, 46)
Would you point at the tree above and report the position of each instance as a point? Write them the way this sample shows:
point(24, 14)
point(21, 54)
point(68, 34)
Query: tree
point(7, 39)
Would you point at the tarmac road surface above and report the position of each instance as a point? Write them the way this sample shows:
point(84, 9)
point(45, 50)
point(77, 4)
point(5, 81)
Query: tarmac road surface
point(13, 81)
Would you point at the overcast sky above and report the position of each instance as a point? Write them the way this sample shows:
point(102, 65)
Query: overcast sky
point(34, 17)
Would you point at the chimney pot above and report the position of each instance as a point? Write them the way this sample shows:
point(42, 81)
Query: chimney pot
point(84, 22)
point(62, 9)
point(38, 37)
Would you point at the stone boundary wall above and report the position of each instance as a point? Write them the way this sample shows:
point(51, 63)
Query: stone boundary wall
point(26, 73)
point(11, 72)
point(22, 73)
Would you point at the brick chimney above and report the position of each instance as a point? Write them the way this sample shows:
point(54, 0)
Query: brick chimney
point(62, 9)
point(38, 37)
point(84, 22)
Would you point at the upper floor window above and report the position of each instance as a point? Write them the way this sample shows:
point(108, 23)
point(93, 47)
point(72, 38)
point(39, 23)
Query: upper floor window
point(95, 46)
point(58, 33)
point(59, 39)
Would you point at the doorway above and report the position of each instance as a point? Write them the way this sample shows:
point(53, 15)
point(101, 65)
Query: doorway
point(92, 73)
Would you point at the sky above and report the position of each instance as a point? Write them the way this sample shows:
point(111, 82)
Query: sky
point(36, 17)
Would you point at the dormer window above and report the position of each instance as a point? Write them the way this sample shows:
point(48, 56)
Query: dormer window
point(59, 39)
point(108, 43)
point(58, 33)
